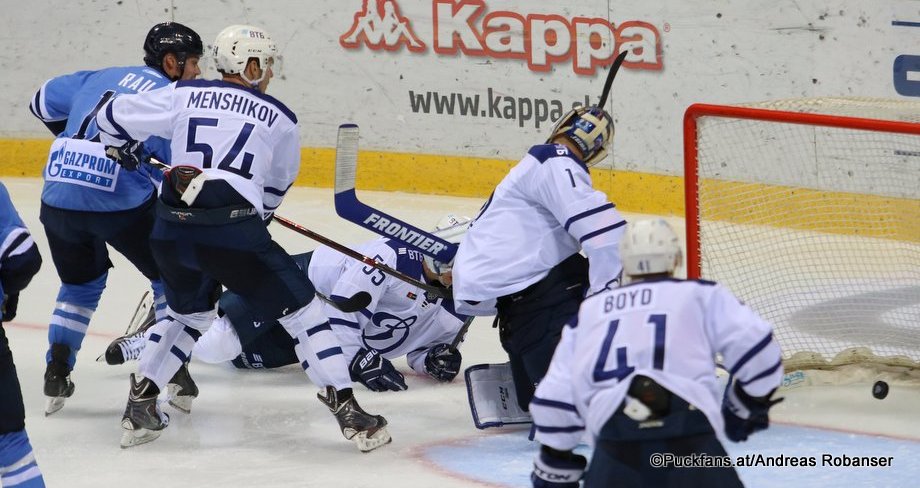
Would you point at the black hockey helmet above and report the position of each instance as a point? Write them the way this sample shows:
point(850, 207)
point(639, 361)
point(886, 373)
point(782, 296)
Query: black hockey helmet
point(171, 37)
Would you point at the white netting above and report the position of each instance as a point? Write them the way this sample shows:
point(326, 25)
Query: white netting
point(818, 228)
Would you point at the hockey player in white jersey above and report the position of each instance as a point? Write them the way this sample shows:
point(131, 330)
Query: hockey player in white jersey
point(236, 152)
point(523, 249)
point(635, 374)
point(400, 320)
point(89, 202)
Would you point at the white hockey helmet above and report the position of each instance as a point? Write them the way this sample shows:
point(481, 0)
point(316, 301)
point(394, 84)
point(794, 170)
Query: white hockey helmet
point(650, 247)
point(451, 228)
point(589, 128)
point(237, 44)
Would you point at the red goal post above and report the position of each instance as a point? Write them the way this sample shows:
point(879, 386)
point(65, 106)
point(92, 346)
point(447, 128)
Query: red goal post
point(809, 210)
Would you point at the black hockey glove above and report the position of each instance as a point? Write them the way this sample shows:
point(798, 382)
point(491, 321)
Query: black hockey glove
point(10, 303)
point(376, 372)
point(557, 469)
point(745, 414)
point(130, 155)
point(443, 362)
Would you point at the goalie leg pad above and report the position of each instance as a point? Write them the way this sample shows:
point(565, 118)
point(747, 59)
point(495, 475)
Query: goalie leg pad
point(492, 396)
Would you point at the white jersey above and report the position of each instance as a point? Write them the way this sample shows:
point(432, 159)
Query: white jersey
point(229, 131)
point(668, 330)
point(542, 212)
point(400, 320)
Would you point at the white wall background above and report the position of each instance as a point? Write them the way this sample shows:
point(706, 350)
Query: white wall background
point(711, 51)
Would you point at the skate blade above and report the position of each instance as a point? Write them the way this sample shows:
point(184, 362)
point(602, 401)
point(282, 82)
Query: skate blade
point(367, 443)
point(54, 404)
point(183, 403)
point(136, 436)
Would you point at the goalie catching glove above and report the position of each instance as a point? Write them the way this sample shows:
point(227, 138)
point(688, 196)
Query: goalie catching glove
point(557, 469)
point(745, 414)
point(376, 372)
point(130, 155)
point(443, 362)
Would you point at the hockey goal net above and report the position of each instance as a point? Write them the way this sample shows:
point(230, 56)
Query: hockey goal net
point(809, 210)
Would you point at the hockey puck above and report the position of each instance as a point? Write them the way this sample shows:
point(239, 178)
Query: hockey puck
point(880, 390)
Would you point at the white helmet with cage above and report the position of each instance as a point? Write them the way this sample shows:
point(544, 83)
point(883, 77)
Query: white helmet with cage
point(451, 228)
point(237, 44)
point(650, 247)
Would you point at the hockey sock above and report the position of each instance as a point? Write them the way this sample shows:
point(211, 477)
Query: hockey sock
point(219, 344)
point(317, 347)
point(72, 312)
point(170, 345)
point(17, 462)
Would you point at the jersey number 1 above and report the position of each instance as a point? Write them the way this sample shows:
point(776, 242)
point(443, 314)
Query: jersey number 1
point(207, 152)
point(622, 369)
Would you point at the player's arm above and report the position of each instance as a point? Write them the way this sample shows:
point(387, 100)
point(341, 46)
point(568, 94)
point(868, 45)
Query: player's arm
point(19, 259)
point(284, 170)
point(753, 359)
point(565, 189)
point(53, 101)
point(559, 427)
point(137, 116)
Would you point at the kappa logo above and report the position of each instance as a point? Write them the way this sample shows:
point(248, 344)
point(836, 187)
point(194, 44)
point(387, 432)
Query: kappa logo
point(541, 39)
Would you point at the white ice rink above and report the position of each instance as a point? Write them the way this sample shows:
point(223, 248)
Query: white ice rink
point(266, 428)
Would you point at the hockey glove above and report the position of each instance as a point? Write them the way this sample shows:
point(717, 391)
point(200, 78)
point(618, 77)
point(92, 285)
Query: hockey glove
point(130, 155)
point(557, 469)
point(745, 414)
point(375, 372)
point(10, 303)
point(443, 362)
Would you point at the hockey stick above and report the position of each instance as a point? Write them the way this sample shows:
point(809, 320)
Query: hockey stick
point(610, 76)
point(461, 334)
point(361, 299)
point(350, 208)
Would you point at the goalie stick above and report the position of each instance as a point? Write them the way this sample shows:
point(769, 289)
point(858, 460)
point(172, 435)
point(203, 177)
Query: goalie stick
point(610, 76)
point(353, 210)
point(351, 304)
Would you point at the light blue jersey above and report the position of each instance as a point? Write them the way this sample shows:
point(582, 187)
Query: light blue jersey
point(78, 175)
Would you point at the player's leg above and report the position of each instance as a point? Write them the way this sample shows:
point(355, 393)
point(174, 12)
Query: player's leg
point(17, 462)
point(82, 264)
point(131, 239)
point(284, 293)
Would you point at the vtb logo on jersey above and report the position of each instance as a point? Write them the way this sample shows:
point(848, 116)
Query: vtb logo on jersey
point(542, 39)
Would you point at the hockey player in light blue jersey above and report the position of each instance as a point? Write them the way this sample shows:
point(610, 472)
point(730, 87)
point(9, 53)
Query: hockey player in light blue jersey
point(522, 251)
point(19, 261)
point(635, 374)
point(236, 152)
point(88, 201)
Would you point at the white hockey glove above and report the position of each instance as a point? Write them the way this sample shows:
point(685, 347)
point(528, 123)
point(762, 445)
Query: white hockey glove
point(557, 469)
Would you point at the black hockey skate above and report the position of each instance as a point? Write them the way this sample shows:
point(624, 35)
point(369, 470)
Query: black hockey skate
point(367, 431)
point(58, 386)
point(181, 389)
point(143, 420)
point(129, 346)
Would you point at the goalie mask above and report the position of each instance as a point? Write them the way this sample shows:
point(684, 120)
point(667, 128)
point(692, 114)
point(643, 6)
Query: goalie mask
point(451, 228)
point(590, 129)
point(237, 44)
point(650, 247)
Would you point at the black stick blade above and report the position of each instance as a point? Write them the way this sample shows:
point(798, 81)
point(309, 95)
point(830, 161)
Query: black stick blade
point(610, 76)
